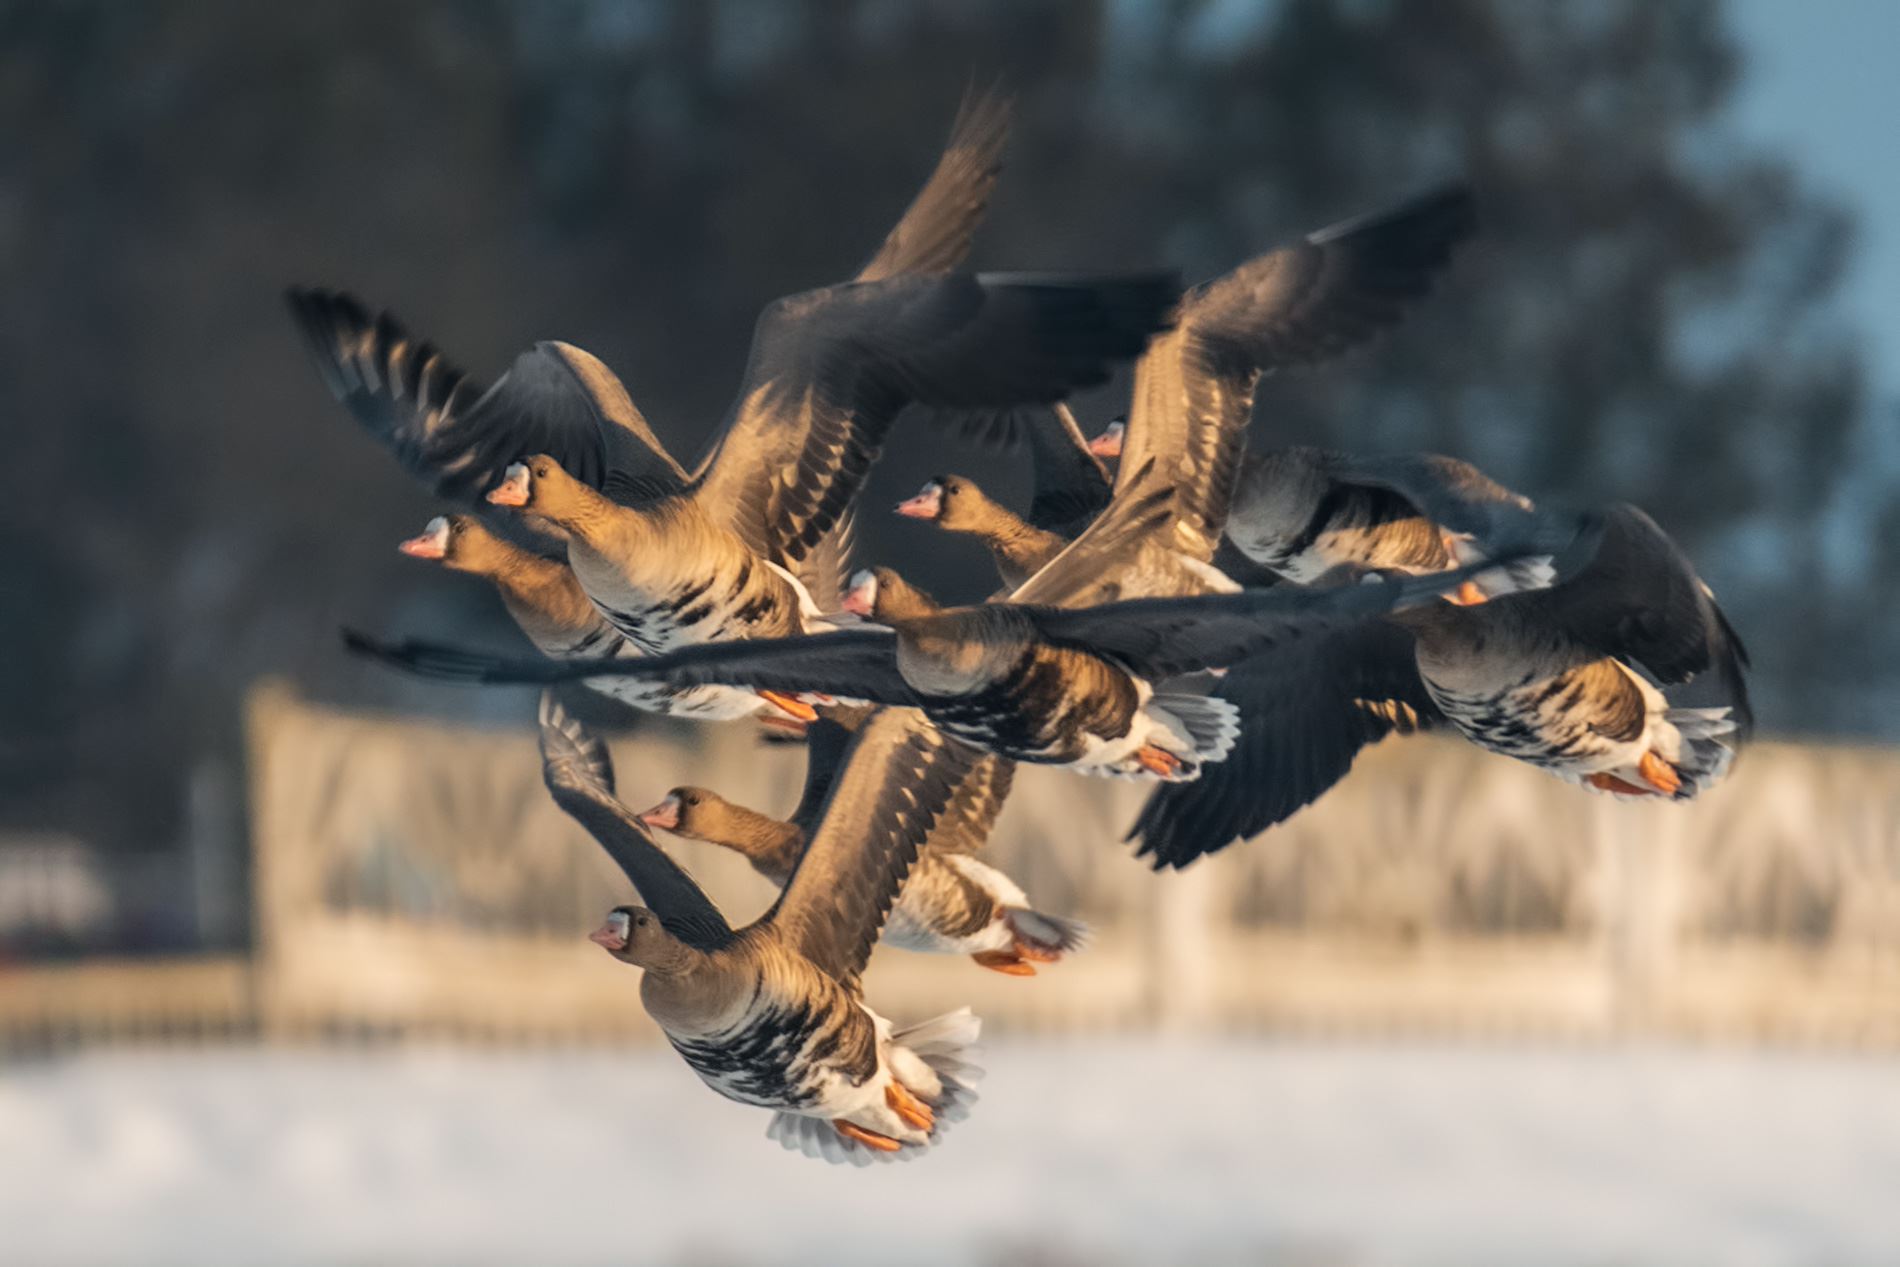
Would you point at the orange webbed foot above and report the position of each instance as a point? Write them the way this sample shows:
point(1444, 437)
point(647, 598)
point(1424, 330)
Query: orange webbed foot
point(1659, 774)
point(1467, 595)
point(1041, 954)
point(1007, 962)
point(1605, 782)
point(1158, 761)
point(913, 1111)
point(870, 1139)
point(791, 704)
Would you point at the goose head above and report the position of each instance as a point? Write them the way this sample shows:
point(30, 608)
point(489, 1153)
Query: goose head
point(462, 544)
point(1109, 443)
point(951, 502)
point(540, 486)
point(881, 595)
point(687, 811)
point(633, 934)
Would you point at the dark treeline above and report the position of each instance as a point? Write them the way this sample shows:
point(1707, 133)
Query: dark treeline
point(1645, 318)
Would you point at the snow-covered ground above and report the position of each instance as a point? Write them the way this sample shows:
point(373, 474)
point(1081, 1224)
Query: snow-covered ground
point(1086, 1150)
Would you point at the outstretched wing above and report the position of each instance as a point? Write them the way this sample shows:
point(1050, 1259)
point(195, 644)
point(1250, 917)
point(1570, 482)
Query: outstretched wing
point(826, 742)
point(1299, 305)
point(580, 776)
point(852, 664)
point(1639, 598)
point(966, 822)
point(934, 235)
point(897, 779)
point(830, 370)
point(456, 435)
point(1160, 638)
point(1310, 706)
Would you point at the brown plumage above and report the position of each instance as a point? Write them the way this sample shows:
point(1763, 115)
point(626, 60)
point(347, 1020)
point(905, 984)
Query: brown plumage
point(1547, 676)
point(771, 1014)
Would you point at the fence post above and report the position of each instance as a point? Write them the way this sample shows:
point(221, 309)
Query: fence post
point(1179, 976)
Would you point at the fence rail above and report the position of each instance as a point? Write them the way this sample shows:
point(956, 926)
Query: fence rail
point(414, 878)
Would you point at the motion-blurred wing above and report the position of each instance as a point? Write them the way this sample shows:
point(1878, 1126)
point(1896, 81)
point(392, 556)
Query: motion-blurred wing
point(852, 664)
point(458, 436)
point(1299, 305)
point(934, 234)
point(1309, 707)
point(1164, 637)
point(830, 369)
point(580, 776)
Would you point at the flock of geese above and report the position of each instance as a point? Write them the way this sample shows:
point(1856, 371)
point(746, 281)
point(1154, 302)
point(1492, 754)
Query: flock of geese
point(1229, 623)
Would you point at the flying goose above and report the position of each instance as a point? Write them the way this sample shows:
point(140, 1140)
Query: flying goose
point(951, 903)
point(550, 607)
point(1548, 676)
point(772, 1014)
point(1193, 394)
point(1051, 685)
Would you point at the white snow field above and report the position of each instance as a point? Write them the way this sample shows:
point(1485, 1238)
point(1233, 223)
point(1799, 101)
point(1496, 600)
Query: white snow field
point(1082, 1151)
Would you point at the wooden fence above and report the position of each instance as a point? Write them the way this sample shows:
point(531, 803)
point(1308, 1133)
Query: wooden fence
point(414, 878)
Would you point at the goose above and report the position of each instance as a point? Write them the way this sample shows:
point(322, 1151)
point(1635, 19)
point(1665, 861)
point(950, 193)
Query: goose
point(1193, 396)
point(952, 903)
point(1062, 686)
point(773, 1014)
point(549, 606)
point(1547, 676)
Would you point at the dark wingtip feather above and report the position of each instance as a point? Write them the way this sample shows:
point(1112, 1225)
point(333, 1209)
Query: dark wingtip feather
point(1441, 217)
point(572, 756)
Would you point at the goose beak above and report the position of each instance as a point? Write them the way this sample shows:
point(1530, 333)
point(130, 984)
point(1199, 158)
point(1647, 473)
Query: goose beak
point(513, 489)
point(861, 599)
point(612, 934)
point(432, 544)
point(927, 504)
point(1109, 443)
point(666, 814)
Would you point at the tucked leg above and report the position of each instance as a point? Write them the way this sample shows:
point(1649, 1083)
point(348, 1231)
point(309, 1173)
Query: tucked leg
point(870, 1139)
point(791, 704)
point(1158, 761)
point(1610, 783)
point(1007, 962)
point(1659, 774)
point(908, 1107)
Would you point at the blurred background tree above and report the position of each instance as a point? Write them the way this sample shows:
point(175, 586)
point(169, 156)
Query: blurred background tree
point(1646, 317)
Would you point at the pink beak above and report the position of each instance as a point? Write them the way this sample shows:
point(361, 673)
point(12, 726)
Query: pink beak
point(861, 601)
point(1109, 443)
point(927, 504)
point(432, 544)
point(666, 814)
point(609, 936)
point(513, 489)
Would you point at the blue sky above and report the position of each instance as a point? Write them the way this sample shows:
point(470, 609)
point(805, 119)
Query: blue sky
point(1821, 83)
